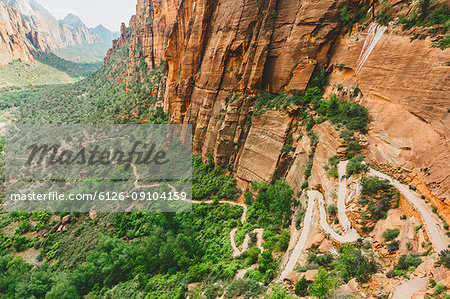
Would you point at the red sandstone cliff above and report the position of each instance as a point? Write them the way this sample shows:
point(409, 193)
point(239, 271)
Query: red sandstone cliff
point(216, 49)
point(14, 43)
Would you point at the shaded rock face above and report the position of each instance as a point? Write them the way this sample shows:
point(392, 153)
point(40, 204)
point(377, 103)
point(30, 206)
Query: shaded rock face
point(14, 43)
point(220, 54)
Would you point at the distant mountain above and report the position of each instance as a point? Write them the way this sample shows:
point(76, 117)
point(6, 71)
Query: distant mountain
point(72, 21)
point(52, 33)
point(44, 32)
point(105, 34)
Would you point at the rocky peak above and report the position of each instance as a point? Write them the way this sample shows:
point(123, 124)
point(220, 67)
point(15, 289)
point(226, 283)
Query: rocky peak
point(53, 34)
point(105, 34)
point(72, 21)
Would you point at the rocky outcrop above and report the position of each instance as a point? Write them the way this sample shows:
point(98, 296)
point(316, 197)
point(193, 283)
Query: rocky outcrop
point(263, 146)
point(14, 44)
point(213, 49)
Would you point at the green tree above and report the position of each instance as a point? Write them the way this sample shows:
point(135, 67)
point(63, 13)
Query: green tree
point(278, 292)
point(323, 285)
point(301, 287)
point(252, 255)
point(391, 234)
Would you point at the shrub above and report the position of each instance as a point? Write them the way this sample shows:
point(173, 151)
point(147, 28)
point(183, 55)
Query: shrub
point(391, 234)
point(332, 209)
point(323, 284)
point(301, 287)
point(252, 255)
point(407, 261)
point(444, 258)
point(393, 246)
point(373, 185)
point(272, 206)
point(278, 292)
point(323, 260)
point(355, 165)
point(240, 287)
point(440, 288)
point(209, 180)
point(383, 15)
point(346, 15)
point(331, 168)
point(283, 241)
point(20, 243)
point(353, 116)
point(352, 263)
point(321, 80)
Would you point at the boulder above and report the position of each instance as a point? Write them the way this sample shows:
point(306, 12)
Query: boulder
point(310, 274)
point(318, 238)
point(65, 220)
point(92, 214)
point(326, 246)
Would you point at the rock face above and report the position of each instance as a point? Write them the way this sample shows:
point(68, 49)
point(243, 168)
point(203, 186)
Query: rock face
point(405, 86)
point(14, 43)
point(220, 54)
point(55, 34)
point(27, 27)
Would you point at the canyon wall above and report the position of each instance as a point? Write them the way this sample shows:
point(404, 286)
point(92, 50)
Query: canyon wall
point(220, 54)
point(27, 28)
point(54, 35)
point(14, 43)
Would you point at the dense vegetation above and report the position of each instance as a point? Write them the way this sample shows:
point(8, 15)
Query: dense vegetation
point(102, 98)
point(191, 247)
point(210, 181)
point(406, 263)
point(351, 263)
point(379, 195)
point(341, 113)
point(355, 165)
point(73, 69)
point(427, 13)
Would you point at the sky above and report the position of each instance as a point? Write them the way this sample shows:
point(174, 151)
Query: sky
point(109, 13)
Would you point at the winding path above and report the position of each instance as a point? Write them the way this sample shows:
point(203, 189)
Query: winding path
point(432, 224)
point(409, 287)
point(351, 234)
point(307, 229)
point(236, 251)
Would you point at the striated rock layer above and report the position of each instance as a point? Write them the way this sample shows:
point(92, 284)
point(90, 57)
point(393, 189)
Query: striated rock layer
point(26, 28)
point(14, 43)
point(220, 54)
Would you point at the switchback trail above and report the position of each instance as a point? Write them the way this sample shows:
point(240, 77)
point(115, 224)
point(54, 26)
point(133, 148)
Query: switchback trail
point(307, 229)
point(432, 224)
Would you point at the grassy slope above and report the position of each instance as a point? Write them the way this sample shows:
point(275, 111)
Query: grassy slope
point(23, 74)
